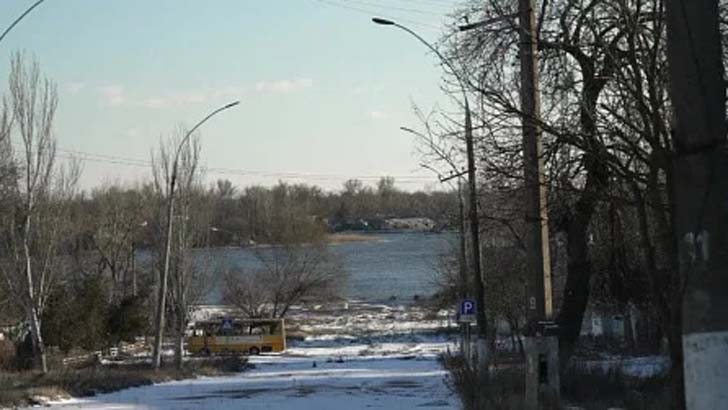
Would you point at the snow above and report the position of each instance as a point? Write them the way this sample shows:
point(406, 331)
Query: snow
point(288, 382)
point(367, 356)
point(640, 367)
point(350, 356)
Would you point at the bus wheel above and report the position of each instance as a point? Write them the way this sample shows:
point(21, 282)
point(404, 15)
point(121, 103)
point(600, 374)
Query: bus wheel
point(205, 352)
point(254, 351)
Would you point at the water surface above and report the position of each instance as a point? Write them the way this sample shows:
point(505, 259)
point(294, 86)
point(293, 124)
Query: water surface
point(392, 266)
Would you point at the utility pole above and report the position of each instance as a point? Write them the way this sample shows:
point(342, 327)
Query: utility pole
point(700, 195)
point(542, 373)
point(480, 316)
point(462, 261)
point(463, 266)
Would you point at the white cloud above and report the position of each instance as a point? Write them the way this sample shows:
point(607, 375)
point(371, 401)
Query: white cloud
point(154, 102)
point(190, 98)
point(173, 100)
point(112, 94)
point(117, 94)
point(284, 86)
point(74, 88)
point(132, 132)
point(230, 91)
point(377, 115)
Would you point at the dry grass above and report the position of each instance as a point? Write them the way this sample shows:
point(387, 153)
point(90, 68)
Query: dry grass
point(597, 390)
point(502, 390)
point(25, 388)
point(580, 388)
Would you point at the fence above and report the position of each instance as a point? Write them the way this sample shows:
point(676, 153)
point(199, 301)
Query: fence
point(126, 349)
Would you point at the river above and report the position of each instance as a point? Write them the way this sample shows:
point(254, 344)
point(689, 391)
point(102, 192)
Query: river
point(386, 267)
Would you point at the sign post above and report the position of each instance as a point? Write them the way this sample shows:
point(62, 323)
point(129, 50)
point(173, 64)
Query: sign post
point(467, 311)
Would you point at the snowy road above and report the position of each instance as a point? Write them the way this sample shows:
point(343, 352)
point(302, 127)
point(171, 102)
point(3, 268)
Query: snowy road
point(375, 357)
point(407, 381)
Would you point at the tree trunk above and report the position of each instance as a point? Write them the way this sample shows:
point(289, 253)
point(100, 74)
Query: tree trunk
point(674, 340)
point(163, 277)
point(39, 353)
point(179, 343)
point(579, 269)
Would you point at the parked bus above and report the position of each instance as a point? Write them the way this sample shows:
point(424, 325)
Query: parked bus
point(236, 336)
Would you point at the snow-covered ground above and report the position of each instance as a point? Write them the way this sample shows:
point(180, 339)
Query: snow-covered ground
point(364, 356)
point(638, 367)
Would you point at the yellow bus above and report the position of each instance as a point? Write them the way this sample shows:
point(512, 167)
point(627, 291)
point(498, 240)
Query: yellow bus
point(236, 336)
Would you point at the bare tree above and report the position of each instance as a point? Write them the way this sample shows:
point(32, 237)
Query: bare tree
point(35, 227)
point(289, 275)
point(7, 172)
point(114, 219)
point(607, 124)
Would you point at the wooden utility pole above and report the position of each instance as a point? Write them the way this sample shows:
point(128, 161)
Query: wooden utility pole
point(542, 373)
point(700, 195)
point(540, 306)
point(464, 277)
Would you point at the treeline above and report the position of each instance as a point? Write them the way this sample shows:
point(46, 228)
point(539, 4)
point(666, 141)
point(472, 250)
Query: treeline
point(268, 215)
point(229, 215)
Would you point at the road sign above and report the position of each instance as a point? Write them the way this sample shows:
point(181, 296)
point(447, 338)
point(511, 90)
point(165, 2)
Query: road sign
point(227, 324)
point(467, 310)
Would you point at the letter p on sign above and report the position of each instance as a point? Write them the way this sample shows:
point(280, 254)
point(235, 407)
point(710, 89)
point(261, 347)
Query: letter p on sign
point(467, 310)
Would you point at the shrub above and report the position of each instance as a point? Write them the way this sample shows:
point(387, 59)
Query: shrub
point(92, 309)
point(80, 320)
point(58, 321)
point(7, 354)
point(478, 390)
point(128, 319)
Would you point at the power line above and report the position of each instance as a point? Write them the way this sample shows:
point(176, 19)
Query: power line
point(394, 8)
point(371, 13)
point(435, 3)
point(134, 162)
point(444, 3)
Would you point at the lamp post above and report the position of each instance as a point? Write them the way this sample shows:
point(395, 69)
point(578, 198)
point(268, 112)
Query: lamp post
point(473, 197)
point(161, 300)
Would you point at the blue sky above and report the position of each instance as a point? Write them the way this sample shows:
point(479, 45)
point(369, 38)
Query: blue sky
point(323, 91)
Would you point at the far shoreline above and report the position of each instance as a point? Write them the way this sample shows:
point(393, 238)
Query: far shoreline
point(346, 237)
point(338, 238)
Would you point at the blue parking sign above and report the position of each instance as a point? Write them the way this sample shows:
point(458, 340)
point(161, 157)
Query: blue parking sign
point(467, 307)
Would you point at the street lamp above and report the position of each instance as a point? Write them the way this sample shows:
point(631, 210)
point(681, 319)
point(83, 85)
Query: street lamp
point(17, 20)
point(168, 240)
point(473, 199)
